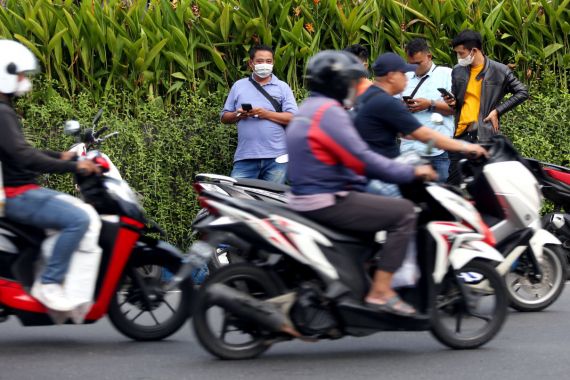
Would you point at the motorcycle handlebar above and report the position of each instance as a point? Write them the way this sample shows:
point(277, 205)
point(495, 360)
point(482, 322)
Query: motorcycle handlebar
point(100, 131)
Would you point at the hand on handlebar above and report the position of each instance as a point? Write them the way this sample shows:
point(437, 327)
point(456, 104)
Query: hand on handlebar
point(474, 151)
point(425, 173)
point(87, 167)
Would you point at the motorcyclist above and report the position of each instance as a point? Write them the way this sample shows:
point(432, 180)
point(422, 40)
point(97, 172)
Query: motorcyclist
point(26, 201)
point(328, 168)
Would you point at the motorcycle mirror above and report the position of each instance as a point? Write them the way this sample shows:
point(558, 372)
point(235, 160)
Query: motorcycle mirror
point(71, 127)
point(97, 117)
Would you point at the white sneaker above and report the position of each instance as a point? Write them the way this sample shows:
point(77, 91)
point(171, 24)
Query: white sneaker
point(52, 296)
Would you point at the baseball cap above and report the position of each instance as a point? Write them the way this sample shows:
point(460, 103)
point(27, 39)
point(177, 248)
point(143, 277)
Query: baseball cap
point(389, 62)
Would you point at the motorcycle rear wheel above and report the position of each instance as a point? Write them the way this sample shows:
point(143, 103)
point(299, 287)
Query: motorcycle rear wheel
point(527, 296)
point(141, 292)
point(248, 279)
point(486, 293)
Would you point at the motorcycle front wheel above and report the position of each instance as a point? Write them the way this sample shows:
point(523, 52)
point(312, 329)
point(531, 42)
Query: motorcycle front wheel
point(141, 308)
point(526, 295)
point(223, 334)
point(470, 306)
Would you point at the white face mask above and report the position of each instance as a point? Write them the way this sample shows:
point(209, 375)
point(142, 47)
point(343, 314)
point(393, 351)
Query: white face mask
point(263, 70)
point(24, 86)
point(467, 60)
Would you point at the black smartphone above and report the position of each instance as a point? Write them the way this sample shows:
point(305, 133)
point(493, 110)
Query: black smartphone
point(407, 98)
point(444, 92)
point(246, 107)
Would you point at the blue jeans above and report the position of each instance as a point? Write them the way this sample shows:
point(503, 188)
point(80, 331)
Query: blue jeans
point(375, 186)
point(264, 168)
point(441, 165)
point(49, 209)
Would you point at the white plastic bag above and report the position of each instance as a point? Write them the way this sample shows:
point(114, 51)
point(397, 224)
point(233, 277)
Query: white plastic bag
point(409, 273)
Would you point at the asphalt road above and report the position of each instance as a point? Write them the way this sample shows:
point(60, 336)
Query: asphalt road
point(530, 346)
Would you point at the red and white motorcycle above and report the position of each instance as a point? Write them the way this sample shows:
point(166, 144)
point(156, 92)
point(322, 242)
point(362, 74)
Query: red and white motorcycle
point(129, 285)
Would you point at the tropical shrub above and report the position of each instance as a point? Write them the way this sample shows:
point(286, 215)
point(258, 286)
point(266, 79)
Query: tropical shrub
point(159, 148)
point(172, 46)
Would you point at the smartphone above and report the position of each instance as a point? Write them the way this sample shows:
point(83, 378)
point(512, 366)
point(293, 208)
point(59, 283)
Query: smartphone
point(246, 107)
point(444, 92)
point(407, 98)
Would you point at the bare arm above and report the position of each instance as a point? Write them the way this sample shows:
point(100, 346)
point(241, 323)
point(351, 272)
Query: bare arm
point(420, 104)
point(282, 118)
point(425, 134)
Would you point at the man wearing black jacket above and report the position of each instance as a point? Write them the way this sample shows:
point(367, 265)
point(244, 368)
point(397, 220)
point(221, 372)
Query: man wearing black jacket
point(479, 85)
point(27, 202)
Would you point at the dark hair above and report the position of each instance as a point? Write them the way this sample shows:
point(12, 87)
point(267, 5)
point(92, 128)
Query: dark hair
point(417, 45)
point(469, 39)
point(359, 51)
point(257, 48)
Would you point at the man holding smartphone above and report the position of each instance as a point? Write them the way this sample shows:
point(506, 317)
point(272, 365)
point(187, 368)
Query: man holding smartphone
point(479, 85)
point(262, 106)
point(424, 99)
point(381, 118)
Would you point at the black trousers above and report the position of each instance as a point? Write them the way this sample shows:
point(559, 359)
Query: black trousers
point(363, 212)
point(454, 158)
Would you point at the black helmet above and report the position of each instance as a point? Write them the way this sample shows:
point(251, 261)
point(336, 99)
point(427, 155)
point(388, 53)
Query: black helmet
point(332, 72)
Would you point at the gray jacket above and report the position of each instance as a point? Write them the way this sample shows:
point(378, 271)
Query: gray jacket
point(498, 80)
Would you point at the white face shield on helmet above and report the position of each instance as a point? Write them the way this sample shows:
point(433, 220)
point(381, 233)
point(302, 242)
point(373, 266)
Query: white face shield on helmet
point(15, 59)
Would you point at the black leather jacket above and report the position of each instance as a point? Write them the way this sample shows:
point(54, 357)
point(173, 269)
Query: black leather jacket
point(498, 80)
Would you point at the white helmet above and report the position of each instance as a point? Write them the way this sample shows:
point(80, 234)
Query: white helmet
point(15, 59)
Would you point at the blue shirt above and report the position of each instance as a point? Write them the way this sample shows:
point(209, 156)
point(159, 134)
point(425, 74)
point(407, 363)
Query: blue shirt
point(438, 77)
point(381, 118)
point(260, 138)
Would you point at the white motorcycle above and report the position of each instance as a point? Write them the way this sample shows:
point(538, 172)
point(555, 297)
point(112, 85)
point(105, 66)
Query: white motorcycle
point(508, 196)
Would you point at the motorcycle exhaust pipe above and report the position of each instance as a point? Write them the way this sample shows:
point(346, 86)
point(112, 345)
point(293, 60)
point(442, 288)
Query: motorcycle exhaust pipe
point(248, 308)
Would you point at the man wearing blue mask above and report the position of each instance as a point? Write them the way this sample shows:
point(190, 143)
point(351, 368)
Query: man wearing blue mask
point(478, 86)
point(261, 106)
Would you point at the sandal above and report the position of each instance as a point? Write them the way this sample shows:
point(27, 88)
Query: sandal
point(394, 305)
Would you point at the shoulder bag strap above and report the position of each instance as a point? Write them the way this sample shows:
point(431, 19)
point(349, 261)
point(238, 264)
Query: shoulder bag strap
point(271, 99)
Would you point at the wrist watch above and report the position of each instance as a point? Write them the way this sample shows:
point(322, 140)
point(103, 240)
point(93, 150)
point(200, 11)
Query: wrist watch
point(432, 106)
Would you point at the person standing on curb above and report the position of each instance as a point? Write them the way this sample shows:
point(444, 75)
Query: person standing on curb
point(479, 85)
point(261, 106)
point(424, 100)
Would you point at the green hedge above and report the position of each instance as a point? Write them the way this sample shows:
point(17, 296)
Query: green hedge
point(158, 150)
point(161, 147)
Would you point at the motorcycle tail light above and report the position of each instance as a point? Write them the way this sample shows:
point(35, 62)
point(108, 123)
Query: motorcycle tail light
point(203, 201)
point(198, 188)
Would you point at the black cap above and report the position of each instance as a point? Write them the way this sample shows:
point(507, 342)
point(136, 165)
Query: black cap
point(389, 62)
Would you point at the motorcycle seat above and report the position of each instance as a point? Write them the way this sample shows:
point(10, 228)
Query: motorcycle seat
point(31, 234)
point(558, 175)
point(263, 185)
point(265, 210)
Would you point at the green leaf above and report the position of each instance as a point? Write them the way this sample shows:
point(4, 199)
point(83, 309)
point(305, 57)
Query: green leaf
point(152, 54)
point(551, 49)
point(56, 39)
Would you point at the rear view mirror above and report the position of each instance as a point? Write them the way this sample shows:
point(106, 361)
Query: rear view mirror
point(71, 127)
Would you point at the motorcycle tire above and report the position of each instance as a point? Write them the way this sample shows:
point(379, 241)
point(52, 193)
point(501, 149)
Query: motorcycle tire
point(549, 226)
point(151, 271)
point(245, 277)
point(481, 280)
point(554, 272)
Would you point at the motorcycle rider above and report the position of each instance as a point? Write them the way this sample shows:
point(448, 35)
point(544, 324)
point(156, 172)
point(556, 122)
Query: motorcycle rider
point(26, 201)
point(328, 168)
